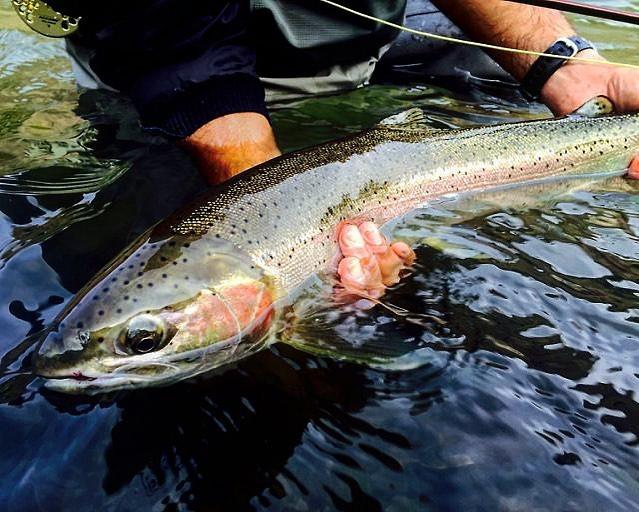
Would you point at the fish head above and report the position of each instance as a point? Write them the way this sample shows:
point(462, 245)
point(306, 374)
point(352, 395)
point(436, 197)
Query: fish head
point(167, 311)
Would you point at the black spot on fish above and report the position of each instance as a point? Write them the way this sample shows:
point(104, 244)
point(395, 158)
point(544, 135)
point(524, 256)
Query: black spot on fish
point(80, 325)
point(101, 313)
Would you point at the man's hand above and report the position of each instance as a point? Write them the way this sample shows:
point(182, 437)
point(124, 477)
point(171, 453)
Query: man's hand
point(231, 144)
point(527, 27)
point(576, 82)
point(370, 263)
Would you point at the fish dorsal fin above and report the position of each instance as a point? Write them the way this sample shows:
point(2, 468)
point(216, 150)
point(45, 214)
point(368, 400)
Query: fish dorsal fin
point(597, 106)
point(412, 120)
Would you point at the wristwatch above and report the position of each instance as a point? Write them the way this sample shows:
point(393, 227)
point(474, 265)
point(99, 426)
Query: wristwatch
point(544, 67)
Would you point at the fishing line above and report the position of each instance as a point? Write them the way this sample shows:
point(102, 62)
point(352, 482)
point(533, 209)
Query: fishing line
point(485, 46)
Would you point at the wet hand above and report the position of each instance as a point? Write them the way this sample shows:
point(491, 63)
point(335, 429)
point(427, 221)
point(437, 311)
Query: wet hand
point(369, 262)
point(576, 82)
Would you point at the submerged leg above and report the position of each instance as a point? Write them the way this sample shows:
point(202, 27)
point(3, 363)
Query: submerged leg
point(370, 263)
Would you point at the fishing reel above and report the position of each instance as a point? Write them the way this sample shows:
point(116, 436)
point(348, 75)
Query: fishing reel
point(42, 18)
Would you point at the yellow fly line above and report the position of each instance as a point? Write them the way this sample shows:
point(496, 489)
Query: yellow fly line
point(474, 43)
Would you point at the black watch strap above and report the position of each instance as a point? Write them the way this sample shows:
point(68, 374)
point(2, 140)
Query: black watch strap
point(544, 67)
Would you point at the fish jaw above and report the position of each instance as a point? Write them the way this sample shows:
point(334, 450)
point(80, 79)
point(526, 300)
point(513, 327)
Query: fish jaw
point(214, 330)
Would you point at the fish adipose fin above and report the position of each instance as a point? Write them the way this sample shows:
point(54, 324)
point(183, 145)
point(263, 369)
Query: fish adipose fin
point(597, 106)
point(413, 120)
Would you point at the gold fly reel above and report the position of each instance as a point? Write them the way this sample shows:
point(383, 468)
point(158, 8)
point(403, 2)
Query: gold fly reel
point(42, 18)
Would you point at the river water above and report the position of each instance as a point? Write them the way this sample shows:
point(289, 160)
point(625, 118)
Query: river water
point(524, 400)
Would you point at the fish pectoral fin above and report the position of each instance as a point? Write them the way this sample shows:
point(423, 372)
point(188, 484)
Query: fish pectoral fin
point(597, 106)
point(412, 120)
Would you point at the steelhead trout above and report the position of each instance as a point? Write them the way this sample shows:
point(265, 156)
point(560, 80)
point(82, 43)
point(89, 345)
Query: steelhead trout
point(204, 288)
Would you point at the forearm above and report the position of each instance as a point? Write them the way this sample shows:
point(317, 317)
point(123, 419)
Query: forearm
point(231, 144)
point(508, 24)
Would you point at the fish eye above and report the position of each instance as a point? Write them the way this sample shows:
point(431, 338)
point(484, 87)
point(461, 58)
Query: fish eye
point(143, 334)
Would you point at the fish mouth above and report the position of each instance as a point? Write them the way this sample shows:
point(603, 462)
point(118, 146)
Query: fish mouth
point(211, 359)
point(121, 378)
point(74, 384)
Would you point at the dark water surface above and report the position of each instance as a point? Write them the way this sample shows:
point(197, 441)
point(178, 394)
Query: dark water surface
point(523, 400)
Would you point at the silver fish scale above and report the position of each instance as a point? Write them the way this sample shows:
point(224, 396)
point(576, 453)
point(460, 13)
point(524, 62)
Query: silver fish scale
point(284, 214)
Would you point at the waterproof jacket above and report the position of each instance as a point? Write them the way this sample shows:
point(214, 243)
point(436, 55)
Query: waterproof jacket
point(186, 62)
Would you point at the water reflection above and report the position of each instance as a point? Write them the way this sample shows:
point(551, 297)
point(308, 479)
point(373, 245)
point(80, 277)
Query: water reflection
point(522, 395)
point(523, 399)
point(224, 440)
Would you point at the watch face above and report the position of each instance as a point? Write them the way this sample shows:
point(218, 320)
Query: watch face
point(43, 19)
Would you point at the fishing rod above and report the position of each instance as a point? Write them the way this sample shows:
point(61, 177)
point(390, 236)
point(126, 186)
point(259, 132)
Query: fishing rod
point(585, 9)
point(477, 44)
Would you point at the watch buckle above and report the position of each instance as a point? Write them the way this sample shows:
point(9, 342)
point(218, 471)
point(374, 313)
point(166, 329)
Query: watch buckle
point(570, 44)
